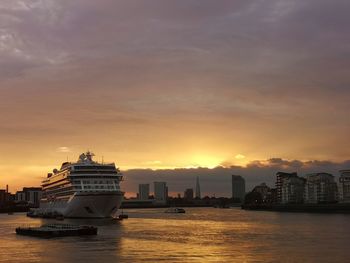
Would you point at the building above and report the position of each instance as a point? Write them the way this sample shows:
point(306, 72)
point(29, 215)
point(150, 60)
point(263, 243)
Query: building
point(31, 195)
point(262, 189)
point(198, 189)
point(290, 188)
point(188, 195)
point(5, 197)
point(160, 192)
point(320, 188)
point(20, 196)
point(344, 186)
point(143, 191)
point(268, 195)
point(238, 188)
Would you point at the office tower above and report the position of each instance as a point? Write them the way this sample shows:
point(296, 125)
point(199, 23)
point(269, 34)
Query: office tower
point(143, 191)
point(198, 188)
point(160, 192)
point(238, 187)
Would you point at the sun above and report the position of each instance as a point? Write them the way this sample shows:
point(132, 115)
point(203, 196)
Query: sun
point(208, 161)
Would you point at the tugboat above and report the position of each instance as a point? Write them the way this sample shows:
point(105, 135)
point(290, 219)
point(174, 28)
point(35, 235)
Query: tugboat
point(175, 210)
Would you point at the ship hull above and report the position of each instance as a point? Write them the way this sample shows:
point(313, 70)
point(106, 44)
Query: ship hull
point(86, 205)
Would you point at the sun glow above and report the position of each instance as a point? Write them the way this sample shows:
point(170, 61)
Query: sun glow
point(208, 161)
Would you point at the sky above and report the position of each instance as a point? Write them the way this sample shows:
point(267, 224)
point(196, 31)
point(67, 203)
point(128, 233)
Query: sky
point(160, 84)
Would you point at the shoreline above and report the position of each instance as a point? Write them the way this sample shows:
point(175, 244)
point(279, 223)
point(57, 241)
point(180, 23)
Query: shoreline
point(337, 208)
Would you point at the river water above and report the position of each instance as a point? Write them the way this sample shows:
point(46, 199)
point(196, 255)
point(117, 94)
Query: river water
point(200, 235)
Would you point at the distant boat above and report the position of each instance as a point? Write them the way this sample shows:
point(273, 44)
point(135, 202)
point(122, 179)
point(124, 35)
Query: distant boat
point(175, 210)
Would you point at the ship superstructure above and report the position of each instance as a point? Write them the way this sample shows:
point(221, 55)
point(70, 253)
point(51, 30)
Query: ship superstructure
point(83, 189)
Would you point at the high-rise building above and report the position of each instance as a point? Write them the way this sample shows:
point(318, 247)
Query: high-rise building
point(33, 195)
point(238, 187)
point(198, 188)
point(344, 186)
point(320, 188)
point(290, 188)
point(188, 195)
point(143, 191)
point(160, 192)
point(20, 196)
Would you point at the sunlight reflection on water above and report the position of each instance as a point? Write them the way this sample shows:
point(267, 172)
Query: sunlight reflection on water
point(200, 235)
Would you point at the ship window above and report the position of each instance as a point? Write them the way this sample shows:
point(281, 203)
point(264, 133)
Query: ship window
point(95, 182)
point(102, 187)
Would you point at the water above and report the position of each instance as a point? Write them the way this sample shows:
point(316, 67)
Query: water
point(200, 235)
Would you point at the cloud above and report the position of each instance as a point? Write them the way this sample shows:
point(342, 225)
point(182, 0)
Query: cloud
point(63, 149)
point(168, 80)
point(240, 156)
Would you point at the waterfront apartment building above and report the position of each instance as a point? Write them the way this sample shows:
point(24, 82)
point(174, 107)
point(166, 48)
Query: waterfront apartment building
point(160, 192)
point(320, 188)
point(290, 188)
point(344, 186)
point(238, 188)
point(188, 195)
point(143, 191)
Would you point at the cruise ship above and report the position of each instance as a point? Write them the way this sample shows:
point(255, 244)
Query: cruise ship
point(84, 189)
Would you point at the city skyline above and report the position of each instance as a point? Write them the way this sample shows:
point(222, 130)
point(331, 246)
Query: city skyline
point(216, 181)
point(172, 85)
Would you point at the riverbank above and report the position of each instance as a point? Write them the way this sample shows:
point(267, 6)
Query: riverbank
point(305, 208)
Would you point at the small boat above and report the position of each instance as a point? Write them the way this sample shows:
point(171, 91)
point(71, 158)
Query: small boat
point(175, 210)
point(56, 230)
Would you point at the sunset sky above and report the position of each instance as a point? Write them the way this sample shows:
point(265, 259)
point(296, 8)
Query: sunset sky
point(172, 84)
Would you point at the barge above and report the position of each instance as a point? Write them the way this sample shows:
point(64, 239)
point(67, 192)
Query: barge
point(56, 230)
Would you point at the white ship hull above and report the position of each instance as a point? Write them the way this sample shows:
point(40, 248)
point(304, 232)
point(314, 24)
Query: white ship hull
point(86, 205)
